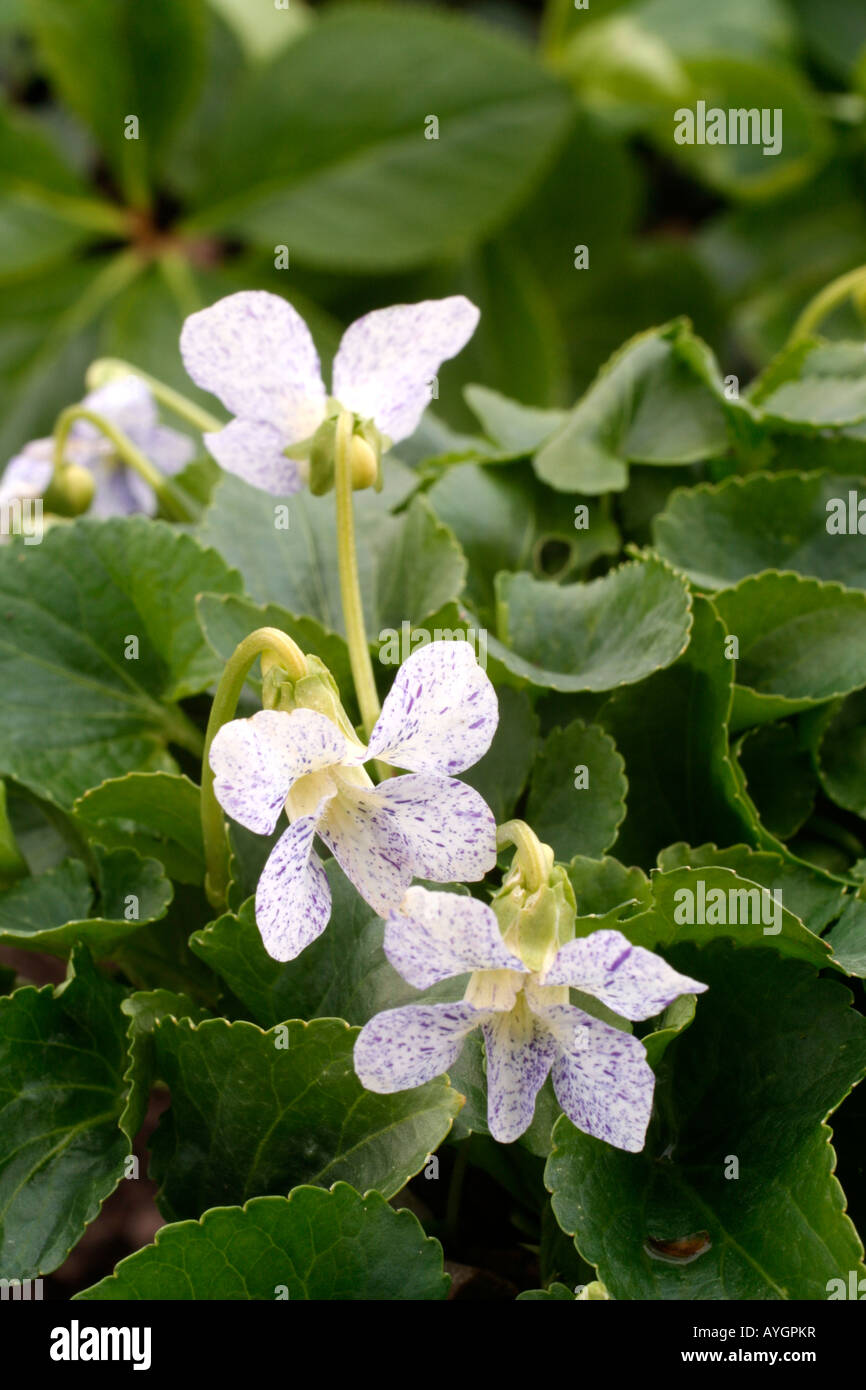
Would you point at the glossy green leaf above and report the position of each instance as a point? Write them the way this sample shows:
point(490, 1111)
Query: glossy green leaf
point(62, 1089)
point(505, 519)
point(595, 636)
point(647, 405)
point(257, 1113)
point(318, 150)
point(409, 565)
point(801, 642)
point(734, 1195)
point(60, 907)
point(337, 1246)
point(113, 60)
point(841, 761)
point(159, 813)
point(721, 534)
point(779, 777)
point(79, 709)
point(501, 775)
point(578, 789)
point(814, 385)
point(672, 732)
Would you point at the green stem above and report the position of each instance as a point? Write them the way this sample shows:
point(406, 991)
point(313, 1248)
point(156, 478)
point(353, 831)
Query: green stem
point(825, 301)
point(290, 656)
point(109, 368)
point(535, 858)
point(350, 587)
point(93, 213)
point(170, 498)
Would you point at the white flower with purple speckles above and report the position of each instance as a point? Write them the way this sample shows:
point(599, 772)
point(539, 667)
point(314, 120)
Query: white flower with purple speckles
point(438, 718)
point(601, 1076)
point(255, 353)
point(118, 490)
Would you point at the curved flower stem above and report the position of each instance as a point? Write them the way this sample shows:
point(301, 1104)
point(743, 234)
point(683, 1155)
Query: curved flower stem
point(237, 668)
point(536, 859)
point(350, 588)
point(170, 498)
point(825, 301)
point(110, 368)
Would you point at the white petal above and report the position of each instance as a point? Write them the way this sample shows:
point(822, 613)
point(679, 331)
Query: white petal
point(254, 451)
point(406, 1047)
point(369, 847)
point(293, 897)
point(632, 981)
point(433, 936)
point(256, 760)
point(440, 714)
point(28, 474)
point(168, 449)
point(254, 351)
point(520, 1052)
point(447, 826)
point(125, 402)
point(601, 1078)
point(387, 360)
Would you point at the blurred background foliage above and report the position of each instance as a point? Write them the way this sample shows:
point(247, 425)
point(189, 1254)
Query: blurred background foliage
point(261, 127)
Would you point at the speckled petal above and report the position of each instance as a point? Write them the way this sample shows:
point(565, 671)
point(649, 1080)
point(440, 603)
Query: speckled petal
point(520, 1052)
point(601, 1078)
point(293, 898)
point(406, 1047)
point(385, 365)
point(168, 449)
point(440, 714)
point(632, 981)
point(125, 402)
point(118, 491)
point(254, 351)
point(254, 451)
point(432, 936)
point(28, 473)
point(449, 829)
point(369, 846)
point(256, 760)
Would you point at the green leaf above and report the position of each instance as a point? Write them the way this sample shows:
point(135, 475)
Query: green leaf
point(556, 1293)
point(226, 619)
point(62, 1090)
point(60, 908)
point(603, 885)
point(515, 428)
point(772, 1052)
point(672, 732)
point(612, 631)
point(848, 938)
point(814, 385)
point(336, 1246)
point(501, 775)
point(504, 518)
point(676, 1017)
point(110, 60)
point(573, 818)
point(356, 182)
point(79, 712)
point(409, 565)
point(680, 893)
point(156, 812)
point(721, 534)
point(250, 1116)
point(343, 974)
point(13, 865)
point(801, 643)
point(779, 777)
point(841, 760)
point(810, 894)
point(648, 404)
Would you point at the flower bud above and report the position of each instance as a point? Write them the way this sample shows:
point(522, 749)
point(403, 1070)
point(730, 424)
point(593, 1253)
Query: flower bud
point(364, 463)
point(70, 491)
